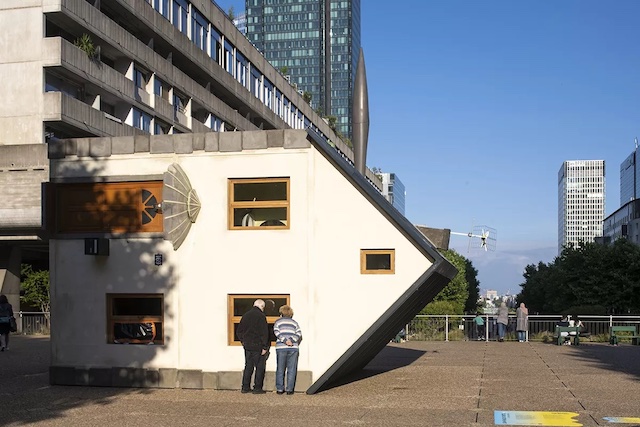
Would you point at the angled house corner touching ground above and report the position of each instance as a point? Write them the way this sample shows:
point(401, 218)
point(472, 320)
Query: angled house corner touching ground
point(277, 215)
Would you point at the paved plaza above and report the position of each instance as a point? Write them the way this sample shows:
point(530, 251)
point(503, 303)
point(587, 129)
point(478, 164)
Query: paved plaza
point(407, 384)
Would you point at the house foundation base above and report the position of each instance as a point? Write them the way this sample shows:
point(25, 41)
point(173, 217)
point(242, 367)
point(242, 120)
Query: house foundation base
point(162, 378)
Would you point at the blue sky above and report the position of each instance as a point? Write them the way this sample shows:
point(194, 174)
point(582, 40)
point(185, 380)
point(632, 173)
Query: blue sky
point(476, 104)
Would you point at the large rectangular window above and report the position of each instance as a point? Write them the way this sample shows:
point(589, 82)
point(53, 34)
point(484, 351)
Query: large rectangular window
point(259, 203)
point(238, 305)
point(135, 318)
point(377, 261)
point(114, 207)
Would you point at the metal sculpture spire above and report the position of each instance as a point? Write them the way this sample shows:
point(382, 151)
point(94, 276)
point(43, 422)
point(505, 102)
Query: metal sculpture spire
point(360, 116)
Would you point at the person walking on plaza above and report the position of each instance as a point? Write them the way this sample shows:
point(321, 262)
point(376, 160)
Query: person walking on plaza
point(253, 332)
point(479, 322)
point(522, 322)
point(503, 321)
point(6, 313)
point(288, 337)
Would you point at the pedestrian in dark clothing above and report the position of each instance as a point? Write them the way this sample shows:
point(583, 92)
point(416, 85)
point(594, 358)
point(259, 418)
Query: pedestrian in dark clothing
point(6, 313)
point(253, 332)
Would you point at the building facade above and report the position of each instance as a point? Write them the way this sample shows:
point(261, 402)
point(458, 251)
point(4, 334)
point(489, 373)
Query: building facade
point(156, 255)
point(122, 68)
point(393, 190)
point(316, 43)
point(629, 178)
point(581, 196)
point(625, 222)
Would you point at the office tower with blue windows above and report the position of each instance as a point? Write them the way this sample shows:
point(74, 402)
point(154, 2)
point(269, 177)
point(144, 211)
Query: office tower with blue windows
point(316, 43)
point(625, 221)
point(393, 190)
point(580, 201)
point(629, 178)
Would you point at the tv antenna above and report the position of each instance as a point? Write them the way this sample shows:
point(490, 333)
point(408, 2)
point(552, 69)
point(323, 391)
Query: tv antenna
point(480, 237)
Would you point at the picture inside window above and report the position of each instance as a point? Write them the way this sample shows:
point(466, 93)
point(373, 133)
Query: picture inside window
point(116, 207)
point(377, 261)
point(135, 319)
point(240, 304)
point(259, 203)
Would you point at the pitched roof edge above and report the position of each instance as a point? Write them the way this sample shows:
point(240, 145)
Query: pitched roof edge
point(412, 301)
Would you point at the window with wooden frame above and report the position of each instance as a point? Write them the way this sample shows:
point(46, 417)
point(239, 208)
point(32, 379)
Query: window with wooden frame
point(238, 305)
point(108, 207)
point(259, 203)
point(377, 261)
point(135, 318)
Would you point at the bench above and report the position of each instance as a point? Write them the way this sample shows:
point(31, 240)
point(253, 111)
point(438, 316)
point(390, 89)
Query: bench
point(614, 334)
point(570, 332)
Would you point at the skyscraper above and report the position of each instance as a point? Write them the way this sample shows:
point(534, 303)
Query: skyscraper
point(580, 201)
point(314, 42)
point(393, 190)
point(629, 178)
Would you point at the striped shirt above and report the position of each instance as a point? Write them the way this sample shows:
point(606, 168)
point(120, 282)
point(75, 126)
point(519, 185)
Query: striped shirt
point(287, 328)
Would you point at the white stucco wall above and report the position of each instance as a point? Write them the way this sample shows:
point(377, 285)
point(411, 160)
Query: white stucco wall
point(21, 71)
point(316, 261)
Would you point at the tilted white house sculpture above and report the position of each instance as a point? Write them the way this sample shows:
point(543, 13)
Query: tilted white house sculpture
point(159, 244)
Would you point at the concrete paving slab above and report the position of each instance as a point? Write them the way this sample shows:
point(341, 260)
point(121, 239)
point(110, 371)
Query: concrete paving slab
point(408, 384)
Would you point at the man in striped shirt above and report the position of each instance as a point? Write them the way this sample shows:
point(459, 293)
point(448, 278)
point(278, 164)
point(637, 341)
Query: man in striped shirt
point(288, 336)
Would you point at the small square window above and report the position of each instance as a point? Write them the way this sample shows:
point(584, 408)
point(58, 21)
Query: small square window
point(261, 203)
point(240, 304)
point(135, 318)
point(377, 261)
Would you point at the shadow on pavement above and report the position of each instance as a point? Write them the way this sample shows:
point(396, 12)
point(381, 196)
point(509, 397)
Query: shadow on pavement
point(26, 397)
point(623, 358)
point(388, 359)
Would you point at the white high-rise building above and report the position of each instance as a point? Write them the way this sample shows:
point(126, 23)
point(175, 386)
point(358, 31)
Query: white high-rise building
point(580, 201)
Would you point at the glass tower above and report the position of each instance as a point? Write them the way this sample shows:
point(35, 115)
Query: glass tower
point(314, 42)
point(629, 178)
point(580, 201)
point(393, 190)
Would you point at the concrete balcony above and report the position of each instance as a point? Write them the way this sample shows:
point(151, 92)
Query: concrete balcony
point(62, 108)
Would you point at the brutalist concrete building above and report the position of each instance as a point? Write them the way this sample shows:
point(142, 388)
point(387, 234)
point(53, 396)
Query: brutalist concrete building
point(122, 68)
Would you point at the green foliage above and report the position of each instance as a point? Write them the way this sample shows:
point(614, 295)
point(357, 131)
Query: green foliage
point(232, 13)
point(284, 70)
point(85, 43)
point(307, 96)
point(473, 286)
point(441, 308)
point(461, 294)
point(585, 277)
point(35, 285)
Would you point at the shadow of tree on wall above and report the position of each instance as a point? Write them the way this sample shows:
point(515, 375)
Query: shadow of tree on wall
point(24, 371)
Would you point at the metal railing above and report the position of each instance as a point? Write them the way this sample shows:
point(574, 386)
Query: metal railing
point(33, 323)
point(462, 327)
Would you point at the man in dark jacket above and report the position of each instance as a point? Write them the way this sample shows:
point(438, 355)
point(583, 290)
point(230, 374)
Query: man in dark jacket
point(253, 332)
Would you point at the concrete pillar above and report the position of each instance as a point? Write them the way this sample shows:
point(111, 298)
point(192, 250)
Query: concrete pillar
point(10, 259)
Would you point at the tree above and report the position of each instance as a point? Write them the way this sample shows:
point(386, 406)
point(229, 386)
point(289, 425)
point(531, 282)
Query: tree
point(590, 275)
point(284, 70)
point(35, 285)
point(456, 293)
point(307, 96)
point(232, 13)
point(473, 286)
